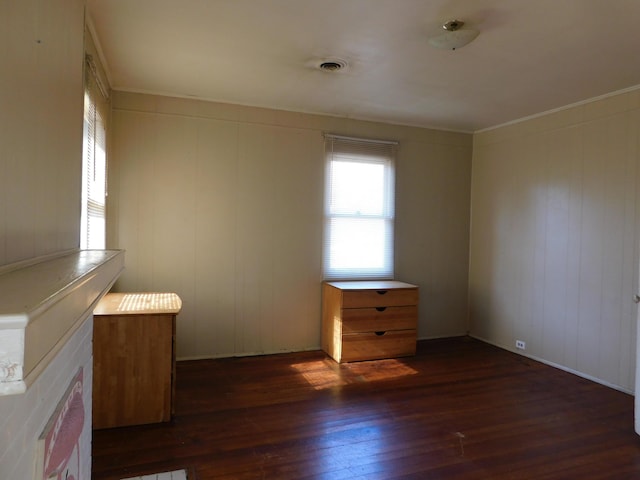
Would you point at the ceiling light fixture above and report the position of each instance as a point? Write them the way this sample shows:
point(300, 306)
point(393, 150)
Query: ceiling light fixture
point(454, 36)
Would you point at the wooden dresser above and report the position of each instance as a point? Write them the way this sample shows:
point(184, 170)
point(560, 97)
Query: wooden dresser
point(369, 320)
point(134, 358)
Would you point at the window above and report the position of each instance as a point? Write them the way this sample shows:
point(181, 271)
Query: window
point(359, 209)
point(94, 161)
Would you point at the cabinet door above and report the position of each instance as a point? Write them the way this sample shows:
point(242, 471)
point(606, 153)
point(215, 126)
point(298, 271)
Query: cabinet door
point(132, 376)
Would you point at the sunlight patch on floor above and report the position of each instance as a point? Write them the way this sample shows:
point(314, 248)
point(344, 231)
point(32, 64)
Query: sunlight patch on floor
point(380, 369)
point(321, 374)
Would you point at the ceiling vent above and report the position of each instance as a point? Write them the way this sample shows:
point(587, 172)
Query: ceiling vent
point(332, 64)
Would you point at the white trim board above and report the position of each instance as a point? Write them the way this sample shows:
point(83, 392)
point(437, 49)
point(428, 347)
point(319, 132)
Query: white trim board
point(175, 475)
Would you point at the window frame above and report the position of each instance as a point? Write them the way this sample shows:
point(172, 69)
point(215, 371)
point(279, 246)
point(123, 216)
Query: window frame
point(371, 153)
point(94, 159)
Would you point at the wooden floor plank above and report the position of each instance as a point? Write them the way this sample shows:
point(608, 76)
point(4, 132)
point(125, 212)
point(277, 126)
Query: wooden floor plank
point(459, 409)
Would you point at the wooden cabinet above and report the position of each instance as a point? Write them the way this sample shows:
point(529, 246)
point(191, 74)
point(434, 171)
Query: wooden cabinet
point(134, 358)
point(369, 320)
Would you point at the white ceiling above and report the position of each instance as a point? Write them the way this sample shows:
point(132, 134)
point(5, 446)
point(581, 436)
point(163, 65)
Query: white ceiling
point(531, 55)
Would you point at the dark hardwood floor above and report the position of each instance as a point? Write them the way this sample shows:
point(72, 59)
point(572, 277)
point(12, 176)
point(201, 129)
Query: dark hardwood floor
point(459, 409)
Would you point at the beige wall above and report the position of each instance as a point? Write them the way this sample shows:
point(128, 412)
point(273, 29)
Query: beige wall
point(41, 94)
point(41, 110)
point(223, 205)
point(554, 237)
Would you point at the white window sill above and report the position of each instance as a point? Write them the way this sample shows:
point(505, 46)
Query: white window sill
point(42, 303)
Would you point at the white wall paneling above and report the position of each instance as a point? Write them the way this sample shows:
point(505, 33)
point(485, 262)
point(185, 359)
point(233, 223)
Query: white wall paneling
point(24, 417)
point(554, 238)
point(223, 205)
point(41, 125)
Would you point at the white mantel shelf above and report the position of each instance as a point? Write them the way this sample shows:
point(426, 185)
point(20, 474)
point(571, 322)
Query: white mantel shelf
point(42, 303)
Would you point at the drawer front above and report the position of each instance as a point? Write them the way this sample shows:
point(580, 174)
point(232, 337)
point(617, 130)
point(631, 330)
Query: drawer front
point(355, 320)
point(379, 298)
point(372, 346)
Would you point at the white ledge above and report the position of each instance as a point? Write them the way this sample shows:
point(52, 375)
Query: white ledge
point(42, 303)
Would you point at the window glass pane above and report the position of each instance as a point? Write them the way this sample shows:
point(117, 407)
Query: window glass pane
point(357, 188)
point(348, 250)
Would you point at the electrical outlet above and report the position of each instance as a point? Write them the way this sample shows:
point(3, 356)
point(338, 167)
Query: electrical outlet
point(520, 345)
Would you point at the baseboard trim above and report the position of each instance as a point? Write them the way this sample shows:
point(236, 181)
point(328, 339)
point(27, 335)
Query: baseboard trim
point(556, 365)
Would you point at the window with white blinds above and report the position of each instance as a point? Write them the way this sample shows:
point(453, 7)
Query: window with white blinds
point(359, 209)
point(94, 160)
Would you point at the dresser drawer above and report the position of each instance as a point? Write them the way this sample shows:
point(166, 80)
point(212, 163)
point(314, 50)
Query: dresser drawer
point(376, 345)
point(355, 320)
point(379, 298)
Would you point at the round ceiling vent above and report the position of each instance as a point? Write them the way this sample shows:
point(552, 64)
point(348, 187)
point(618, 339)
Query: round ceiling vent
point(332, 64)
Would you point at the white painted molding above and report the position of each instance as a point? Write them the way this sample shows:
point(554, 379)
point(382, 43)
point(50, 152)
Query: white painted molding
point(560, 109)
point(43, 303)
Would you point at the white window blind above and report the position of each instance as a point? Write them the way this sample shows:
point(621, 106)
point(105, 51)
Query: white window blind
point(94, 162)
point(359, 209)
